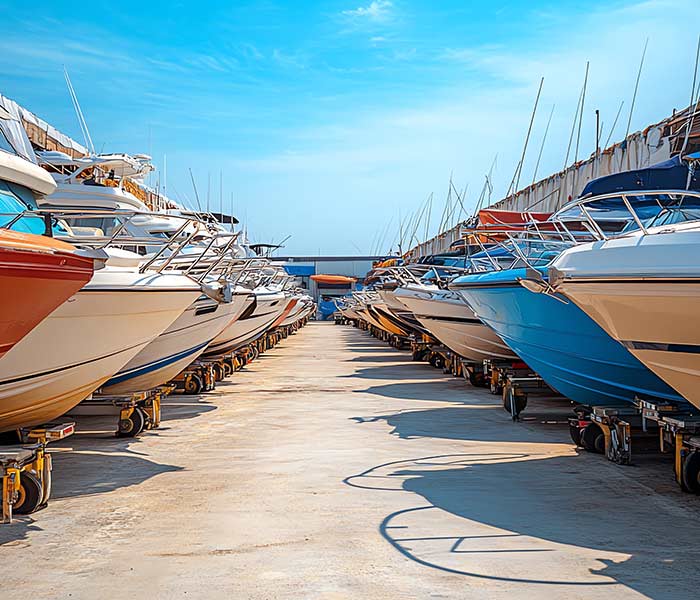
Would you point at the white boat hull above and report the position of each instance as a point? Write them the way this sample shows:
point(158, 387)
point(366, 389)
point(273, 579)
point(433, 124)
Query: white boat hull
point(454, 324)
point(268, 306)
point(173, 350)
point(85, 341)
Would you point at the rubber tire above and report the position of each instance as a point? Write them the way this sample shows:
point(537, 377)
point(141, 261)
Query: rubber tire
point(32, 494)
point(228, 369)
point(138, 422)
point(690, 475)
point(575, 433)
point(195, 385)
point(477, 379)
point(218, 372)
point(592, 438)
point(437, 361)
point(519, 401)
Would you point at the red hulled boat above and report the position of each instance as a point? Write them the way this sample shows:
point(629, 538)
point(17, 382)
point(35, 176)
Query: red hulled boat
point(37, 275)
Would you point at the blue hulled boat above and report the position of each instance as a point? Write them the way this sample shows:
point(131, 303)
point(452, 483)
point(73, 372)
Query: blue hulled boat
point(572, 353)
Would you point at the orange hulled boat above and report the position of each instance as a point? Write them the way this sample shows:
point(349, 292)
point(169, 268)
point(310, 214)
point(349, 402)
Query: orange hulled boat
point(37, 275)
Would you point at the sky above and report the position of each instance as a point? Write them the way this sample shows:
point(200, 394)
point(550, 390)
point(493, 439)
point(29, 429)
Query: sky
point(332, 122)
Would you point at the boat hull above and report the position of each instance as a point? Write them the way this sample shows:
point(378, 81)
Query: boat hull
point(81, 345)
point(651, 319)
point(37, 275)
point(250, 326)
point(556, 339)
point(173, 350)
point(455, 325)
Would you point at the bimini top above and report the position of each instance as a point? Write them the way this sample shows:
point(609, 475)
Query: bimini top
point(671, 174)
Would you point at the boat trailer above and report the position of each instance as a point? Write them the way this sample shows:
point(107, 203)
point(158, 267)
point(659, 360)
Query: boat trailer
point(662, 426)
point(25, 469)
point(137, 412)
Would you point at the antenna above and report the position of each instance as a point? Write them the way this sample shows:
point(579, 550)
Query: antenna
point(208, 189)
point(79, 113)
point(692, 98)
point(196, 195)
point(232, 211)
point(636, 87)
point(612, 129)
point(578, 135)
point(221, 193)
point(544, 139)
point(516, 177)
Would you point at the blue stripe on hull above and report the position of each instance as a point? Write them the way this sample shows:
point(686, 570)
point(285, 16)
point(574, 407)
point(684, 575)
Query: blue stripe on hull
point(155, 365)
point(564, 346)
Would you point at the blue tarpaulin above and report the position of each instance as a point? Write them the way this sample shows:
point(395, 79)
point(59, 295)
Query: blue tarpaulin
point(300, 270)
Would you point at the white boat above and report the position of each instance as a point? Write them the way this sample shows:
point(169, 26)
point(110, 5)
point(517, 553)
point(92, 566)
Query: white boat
point(303, 306)
point(95, 332)
point(643, 288)
point(452, 322)
point(261, 311)
point(188, 337)
point(180, 344)
point(86, 340)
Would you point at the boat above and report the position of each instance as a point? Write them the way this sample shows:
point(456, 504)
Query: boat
point(86, 340)
point(178, 346)
point(338, 280)
point(37, 275)
point(96, 331)
point(643, 289)
point(556, 339)
point(191, 334)
point(446, 316)
point(264, 305)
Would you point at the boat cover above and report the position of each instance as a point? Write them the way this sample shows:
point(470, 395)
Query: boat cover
point(668, 175)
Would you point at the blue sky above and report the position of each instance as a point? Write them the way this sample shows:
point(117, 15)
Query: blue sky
point(331, 119)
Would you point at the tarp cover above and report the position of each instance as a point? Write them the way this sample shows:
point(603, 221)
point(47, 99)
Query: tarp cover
point(300, 270)
point(14, 130)
point(668, 175)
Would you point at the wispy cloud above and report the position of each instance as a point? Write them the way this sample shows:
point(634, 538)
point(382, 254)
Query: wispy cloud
point(377, 10)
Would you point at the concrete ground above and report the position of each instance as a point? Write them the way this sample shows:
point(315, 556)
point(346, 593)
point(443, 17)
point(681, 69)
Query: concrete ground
point(334, 467)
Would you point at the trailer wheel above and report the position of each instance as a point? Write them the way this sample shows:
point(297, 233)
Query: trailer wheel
point(691, 473)
point(30, 494)
point(436, 361)
point(592, 438)
point(228, 369)
point(193, 384)
point(133, 425)
point(477, 379)
point(575, 433)
point(218, 372)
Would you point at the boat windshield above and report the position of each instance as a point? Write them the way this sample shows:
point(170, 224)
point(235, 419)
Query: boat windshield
point(11, 205)
point(16, 199)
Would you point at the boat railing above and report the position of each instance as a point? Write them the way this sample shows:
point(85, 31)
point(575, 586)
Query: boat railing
point(170, 249)
point(507, 249)
point(659, 205)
